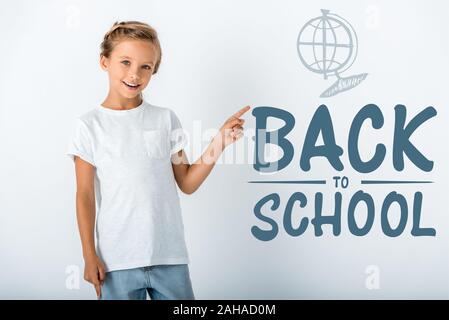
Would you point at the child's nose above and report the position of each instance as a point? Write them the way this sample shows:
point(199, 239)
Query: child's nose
point(135, 73)
point(134, 76)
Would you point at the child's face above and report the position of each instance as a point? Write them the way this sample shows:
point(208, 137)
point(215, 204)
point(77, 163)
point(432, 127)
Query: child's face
point(130, 67)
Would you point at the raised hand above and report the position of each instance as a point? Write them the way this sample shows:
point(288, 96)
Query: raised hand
point(232, 129)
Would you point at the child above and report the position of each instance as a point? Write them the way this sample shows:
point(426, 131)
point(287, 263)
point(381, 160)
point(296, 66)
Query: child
point(128, 158)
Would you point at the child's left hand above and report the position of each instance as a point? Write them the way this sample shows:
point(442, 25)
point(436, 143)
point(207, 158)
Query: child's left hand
point(232, 129)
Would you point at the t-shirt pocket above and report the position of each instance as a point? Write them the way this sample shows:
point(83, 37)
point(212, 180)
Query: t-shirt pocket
point(156, 143)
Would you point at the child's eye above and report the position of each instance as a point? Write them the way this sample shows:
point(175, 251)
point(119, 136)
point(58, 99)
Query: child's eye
point(147, 67)
point(126, 62)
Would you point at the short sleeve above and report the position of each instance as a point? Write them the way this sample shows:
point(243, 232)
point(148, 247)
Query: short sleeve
point(178, 137)
point(80, 143)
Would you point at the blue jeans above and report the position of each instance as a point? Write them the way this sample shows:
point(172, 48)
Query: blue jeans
point(162, 282)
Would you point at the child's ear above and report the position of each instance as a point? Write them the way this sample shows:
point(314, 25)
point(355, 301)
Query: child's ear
point(104, 62)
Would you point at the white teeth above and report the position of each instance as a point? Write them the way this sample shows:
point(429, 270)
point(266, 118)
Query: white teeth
point(130, 84)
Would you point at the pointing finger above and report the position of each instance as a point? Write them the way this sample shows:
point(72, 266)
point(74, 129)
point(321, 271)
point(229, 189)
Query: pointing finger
point(239, 113)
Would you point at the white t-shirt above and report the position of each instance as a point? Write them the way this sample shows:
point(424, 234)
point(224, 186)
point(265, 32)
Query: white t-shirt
point(138, 214)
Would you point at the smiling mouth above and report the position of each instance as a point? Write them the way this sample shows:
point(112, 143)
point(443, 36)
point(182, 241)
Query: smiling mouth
point(131, 86)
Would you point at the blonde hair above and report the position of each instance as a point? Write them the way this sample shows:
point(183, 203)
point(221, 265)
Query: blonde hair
point(130, 30)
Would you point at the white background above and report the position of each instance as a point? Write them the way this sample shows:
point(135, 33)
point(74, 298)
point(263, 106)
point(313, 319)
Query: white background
point(219, 56)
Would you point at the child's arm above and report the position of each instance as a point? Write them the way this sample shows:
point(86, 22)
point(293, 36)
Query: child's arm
point(190, 176)
point(94, 270)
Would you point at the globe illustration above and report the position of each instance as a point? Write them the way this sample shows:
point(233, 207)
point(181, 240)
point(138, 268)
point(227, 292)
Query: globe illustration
point(327, 44)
